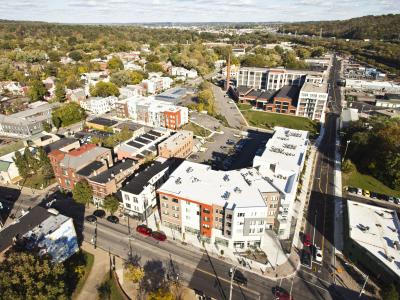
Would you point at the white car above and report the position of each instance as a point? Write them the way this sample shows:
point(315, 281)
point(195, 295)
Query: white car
point(318, 255)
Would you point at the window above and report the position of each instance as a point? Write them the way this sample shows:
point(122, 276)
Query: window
point(206, 219)
point(127, 205)
point(261, 222)
point(260, 230)
point(175, 215)
point(216, 219)
point(175, 200)
point(240, 214)
point(206, 226)
point(135, 200)
point(206, 211)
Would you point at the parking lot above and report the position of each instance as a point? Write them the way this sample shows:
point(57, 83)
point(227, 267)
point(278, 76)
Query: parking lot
point(231, 150)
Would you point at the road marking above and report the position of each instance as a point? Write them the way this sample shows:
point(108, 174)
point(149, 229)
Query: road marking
point(317, 277)
point(316, 285)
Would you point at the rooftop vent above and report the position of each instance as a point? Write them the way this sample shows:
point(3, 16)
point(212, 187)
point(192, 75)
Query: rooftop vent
point(363, 228)
point(188, 170)
point(226, 177)
point(53, 211)
point(237, 190)
point(178, 180)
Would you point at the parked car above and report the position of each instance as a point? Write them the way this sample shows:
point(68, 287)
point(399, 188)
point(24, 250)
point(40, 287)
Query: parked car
point(397, 200)
point(318, 254)
point(366, 193)
point(391, 199)
point(230, 142)
point(159, 236)
point(352, 190)
point(113, 219)
point(306, 257)
point(307, 240)
point(91, 219)
point(359, 191)
point(143, 229)
point(382, 197)
point(99, 213)
point(374, 195)
point(238, 277)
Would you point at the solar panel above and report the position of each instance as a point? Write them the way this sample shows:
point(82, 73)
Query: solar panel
point(143, 141)
point(134, 144)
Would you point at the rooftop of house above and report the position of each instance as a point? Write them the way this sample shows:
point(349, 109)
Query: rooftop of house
point(59, 144)
point(90, 168)
point(377, 230)
point(140, 180)
point(110, 173)
point(130, 125)
point(200, 183)
point(144, 142)
point(82, 156)
point(103, 122)
point(289, 92)
point(243, 90)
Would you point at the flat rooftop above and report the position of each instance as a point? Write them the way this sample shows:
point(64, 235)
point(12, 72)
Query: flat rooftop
point(377, 230)
point(314, 87)
point(103, 122)
point(175, 139)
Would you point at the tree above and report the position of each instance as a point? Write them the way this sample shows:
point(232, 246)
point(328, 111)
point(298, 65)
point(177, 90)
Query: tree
point(111, 204)
point(82, 192)
point(136, 77)
point(390, 293)
point(75, 55)
point(104, 290)
point(104, 89)
point(154, 67)
point(25, 276)
point(121, 78)
point(133, 273)
point(22, 165)
point(46, 126)
point(60, 92)
point(67, 114)
point(37, 91)
point(32, 162)
point(161, 294)
point(115, 64)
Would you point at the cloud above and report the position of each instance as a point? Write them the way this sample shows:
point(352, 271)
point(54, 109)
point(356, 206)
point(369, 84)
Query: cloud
point(128, 11)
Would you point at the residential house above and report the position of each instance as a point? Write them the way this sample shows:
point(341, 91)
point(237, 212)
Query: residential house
point(99, 105)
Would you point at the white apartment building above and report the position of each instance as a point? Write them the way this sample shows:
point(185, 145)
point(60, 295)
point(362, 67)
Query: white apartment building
point(156, 113)
point(312, 101)
point(231, 208)
point(139, 192)
point(180, 71)
point(281, 163)
point(99, 105)
point(132, 91)
point(156, 83)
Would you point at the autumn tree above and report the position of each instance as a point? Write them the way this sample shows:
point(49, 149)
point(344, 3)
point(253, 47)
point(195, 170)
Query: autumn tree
point(82, 192)
point(37, 91)
point(115, 64)
point(104, 89)
point(60, 92)
point(133, 273)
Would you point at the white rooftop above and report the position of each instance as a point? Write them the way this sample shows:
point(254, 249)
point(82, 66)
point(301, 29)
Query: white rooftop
point(200, 183)
point(314, 87)
point(377, 230)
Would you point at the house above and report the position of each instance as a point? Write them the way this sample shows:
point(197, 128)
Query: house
point(179, 144)
point(156, 83)
point(11, 87)
point(132, 66)
point(9, 173)
point(139, 193)
point(234, 71)
point(41, 139)
point(76, 95)
point(180, 71)
point(99, 105)
point(131, 91)
point(110, 181)
point(44, 232)
point(82, 163)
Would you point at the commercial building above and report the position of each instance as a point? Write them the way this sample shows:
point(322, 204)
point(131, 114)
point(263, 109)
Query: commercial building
point(82, 163)
point(139, 193)
point(45, 232)
point(373, 86)
point(389, 101)
point(374, 242)
point(312, 101)
point(100, 123)
point(99, 105)
point(173, 95)
point(110, 181)
point(26, 123)
point(231, 208)
point(154, 113)
point(281, 164)
point(179, 144)
point(142, 147)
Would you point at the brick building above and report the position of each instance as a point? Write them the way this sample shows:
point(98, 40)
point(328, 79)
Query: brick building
point(178, 145)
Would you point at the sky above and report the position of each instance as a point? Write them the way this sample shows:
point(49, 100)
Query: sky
point(140, 11)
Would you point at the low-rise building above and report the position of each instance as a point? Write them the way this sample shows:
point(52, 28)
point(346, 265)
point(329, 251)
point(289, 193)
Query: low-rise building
point(100, 123)
point(180, 71)
point(284, 101)
point(76, 95)
point(234, 71)
point(110, 181)
point(173, 95)
point(131, 91)
point(64, 145)
point(41, 139)
point(281, 163)
point(373, 241)
point(156, 83)
point(99, 105)
point(178, 145)
point(232, 208)
point(376, 86)
point(348, 115)
point(389, 101)
point(139, 193)
point(46, 232)
point(70, 168)
point(9, 173)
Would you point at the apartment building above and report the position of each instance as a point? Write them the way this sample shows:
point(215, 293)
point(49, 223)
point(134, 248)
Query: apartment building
point(139, 193)
point(155, 113)
point(28, 122)
point(284, 101)
point(231, 208)
point(312, 101)
point(252, 77)
point(179, 144)
point(179, 71)
point(82, 163)
point(99, 105)
point(132, 90)
point(110, 181)
point(156, 83)
point(281, 164)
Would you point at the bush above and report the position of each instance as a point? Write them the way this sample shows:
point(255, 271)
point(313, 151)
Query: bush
point(348, 166)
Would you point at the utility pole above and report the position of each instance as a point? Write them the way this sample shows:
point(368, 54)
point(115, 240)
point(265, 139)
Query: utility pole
point(363, 287)
point(232, 275)
point(345, 151)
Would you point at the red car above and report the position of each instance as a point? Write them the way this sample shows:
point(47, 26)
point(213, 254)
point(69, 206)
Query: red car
point(307, 240)
point(283, 296)
point(159, 236)
point(143, 229)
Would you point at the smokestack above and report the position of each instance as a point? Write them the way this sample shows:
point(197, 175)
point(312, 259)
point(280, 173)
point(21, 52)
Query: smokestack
point(228, 73)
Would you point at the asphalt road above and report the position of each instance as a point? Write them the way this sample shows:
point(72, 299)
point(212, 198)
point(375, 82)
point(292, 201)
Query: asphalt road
point(320, 216)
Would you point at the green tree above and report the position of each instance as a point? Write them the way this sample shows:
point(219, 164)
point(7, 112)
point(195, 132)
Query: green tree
point(25, 276)
point(111, 204)
point(115, 64)
point(136, 77)
point(46, 126)
point(104, 89)
point(121, 78)
point(54, 56)
point(37, 91)
point(161, 294)
point(82, 192)
point(390, 293)
point(22, 165)
point(75, 55)
point(60, 92)
point(154, 67)
point(31, 160)
point(67, 114)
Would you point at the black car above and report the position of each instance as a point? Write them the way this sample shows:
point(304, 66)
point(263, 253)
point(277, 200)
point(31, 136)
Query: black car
point(374, 195)
point(113, 219)
point(352, 190)
point(238, 277)
point(91, 219)
point(99, 213)
point(306, 258)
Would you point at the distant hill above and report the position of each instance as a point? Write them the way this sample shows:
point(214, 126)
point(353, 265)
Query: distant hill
point(368, 27)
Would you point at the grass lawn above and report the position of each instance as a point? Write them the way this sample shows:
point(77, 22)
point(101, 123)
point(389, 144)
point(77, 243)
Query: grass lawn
point(111, 285)
point(356, 179)
point(269, 120)
point(196, 129)
point(36, 180)
point(244, 106)
point(89, 260)
point(12, 147)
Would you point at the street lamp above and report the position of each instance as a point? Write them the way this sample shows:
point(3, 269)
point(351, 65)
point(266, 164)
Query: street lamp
point(315, 225)
point(345, 151)
point(233, 270)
